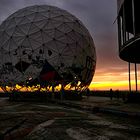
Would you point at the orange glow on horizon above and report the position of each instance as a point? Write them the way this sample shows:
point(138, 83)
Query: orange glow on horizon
point(41, 89)
point(119, 85)
point(115, 80)
point(104, 80)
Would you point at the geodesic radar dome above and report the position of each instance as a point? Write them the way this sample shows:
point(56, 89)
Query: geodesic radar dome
point(44, 44)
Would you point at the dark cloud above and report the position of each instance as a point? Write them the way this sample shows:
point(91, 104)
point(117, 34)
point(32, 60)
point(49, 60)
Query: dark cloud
point(9, 6)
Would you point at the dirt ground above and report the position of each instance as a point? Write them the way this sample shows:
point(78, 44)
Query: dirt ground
point(45, 121)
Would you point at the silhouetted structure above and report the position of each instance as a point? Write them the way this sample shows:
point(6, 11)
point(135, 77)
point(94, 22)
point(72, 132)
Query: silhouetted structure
point(88, 92)
point(129, 33)
point(111, 94)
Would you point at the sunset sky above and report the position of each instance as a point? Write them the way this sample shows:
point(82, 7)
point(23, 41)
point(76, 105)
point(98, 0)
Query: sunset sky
point(98, 16)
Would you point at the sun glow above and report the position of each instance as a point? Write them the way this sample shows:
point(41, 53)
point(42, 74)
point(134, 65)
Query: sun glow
point(121, 85)
point(116, 81)
point(101, 81)
point(115, 78)
point(71, 86)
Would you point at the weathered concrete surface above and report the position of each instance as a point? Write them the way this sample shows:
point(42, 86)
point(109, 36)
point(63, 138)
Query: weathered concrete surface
point(44, 121)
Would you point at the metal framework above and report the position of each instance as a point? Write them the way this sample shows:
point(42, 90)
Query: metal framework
point(45, 45)
point(129, 34)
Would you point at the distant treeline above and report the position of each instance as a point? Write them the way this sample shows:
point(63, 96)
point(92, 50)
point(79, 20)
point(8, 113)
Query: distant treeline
point(91, 93)
point(107, 93)
point(3, 94)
